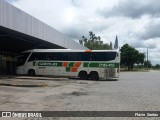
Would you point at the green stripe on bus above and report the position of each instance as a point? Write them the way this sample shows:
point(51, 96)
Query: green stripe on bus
point(85, 64)
point(47, 64)
point(71, 64)
point(68, 69)
point(101, 65)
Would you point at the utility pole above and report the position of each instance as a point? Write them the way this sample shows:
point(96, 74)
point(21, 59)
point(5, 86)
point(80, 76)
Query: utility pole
point(147, 59)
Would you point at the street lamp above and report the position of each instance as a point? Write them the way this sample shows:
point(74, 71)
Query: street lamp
point(147, 59)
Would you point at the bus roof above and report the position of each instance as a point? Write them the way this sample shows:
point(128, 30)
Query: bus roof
point(67, 50)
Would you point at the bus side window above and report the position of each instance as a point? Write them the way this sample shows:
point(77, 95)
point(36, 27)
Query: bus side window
point(34, 56)
point(49, 56)
point(93, 57)
point(117, 54)
point(58, 56)
point(87, 56)
point(55, 56)
point(65, 57)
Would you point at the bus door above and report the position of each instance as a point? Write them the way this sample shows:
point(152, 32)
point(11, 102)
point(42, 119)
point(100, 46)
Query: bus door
point(41, 70)
point(53, 70)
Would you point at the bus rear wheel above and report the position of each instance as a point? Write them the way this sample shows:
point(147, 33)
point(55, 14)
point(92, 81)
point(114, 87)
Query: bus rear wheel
point(31, 72)
point(94, 75)
point(83, 75)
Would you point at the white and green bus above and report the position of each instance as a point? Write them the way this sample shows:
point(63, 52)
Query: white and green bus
point(85, 64)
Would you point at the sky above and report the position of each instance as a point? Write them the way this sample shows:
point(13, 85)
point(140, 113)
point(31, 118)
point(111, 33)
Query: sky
point(135, 22)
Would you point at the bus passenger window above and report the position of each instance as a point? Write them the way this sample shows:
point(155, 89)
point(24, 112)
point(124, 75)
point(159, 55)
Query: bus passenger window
point(33, 57)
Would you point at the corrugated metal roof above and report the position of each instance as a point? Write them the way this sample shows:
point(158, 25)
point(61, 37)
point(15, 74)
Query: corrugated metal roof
point(15, 19)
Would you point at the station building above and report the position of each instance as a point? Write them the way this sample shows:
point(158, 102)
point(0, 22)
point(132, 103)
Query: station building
point(20, 31)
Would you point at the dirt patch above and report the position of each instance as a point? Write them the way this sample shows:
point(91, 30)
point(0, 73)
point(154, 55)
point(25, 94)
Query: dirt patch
point(53, 97)
point(83, 83)
point(77, 93)
point(16, 85)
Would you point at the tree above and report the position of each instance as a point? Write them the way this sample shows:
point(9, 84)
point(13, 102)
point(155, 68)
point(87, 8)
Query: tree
point(157, 66)
point(141, 57)
point(94, 42)
point(147, 63)
point(116, 43)
point(130, 56)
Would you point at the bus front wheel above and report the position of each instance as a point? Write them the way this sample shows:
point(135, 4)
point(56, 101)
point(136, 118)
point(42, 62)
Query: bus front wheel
point(94, 75)
point(31, 72)
point(83, 75)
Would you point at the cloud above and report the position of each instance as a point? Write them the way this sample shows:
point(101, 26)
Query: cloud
point(151, 30)
point(81, 28)
point(76, 3)
point(11, 1)
point(150, 44)
point(133, 9)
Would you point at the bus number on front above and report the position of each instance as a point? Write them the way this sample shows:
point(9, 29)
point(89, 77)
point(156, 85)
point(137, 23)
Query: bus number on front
point(107, 65)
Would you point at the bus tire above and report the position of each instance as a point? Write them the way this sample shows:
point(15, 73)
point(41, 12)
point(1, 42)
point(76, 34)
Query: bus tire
point(83, 75)
point(94, 75)
point(31, 72)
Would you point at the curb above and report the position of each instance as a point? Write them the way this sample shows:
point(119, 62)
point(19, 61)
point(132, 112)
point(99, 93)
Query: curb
point(5, 84)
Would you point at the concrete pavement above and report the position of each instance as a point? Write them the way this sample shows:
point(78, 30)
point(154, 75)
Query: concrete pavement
point(26, 81)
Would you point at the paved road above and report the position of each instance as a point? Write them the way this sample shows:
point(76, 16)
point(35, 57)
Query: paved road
point(134, 91)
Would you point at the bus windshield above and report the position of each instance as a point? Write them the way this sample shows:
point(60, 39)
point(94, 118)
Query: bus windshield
point(21, 59)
